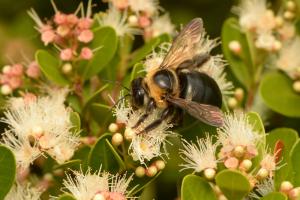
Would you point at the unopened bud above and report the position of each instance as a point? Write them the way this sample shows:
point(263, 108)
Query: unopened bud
point(296, 86)
point(129, 133)
point(151, 171)
point(117, 139)
point(294, 193)
point(235, 47)
point(209, 173)
point(48, 177)
point(239, 151)
point(288, 15)
point(6, 69)
point(37, 131)
point(239, 94)
point(113, 127)
point(232, 102)
point(246, 164)
point(133, 20)
point(160, 164)
point(231, 163)
point(277, 45)
point(286, 186)
point(279, 21)
point(67, 68)
point(262, 173)
point(99, 197)
point(140, 171)
point(290, 5)
point(6, 89)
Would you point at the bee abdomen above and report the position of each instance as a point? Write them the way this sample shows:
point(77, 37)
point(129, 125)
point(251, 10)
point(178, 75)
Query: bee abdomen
point(199, 87)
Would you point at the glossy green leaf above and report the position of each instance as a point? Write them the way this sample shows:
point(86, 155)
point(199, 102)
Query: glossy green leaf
point(143, 51)
point(68, 164)
point(239, 65)
point(194, 188)
point(288, 137)
point(49, 65)
point(275, 196)
point(76, 122)
point(106, 39)
point(277, 92)
point(233, 184)
point(7, 170)
point(103, 155)
point(140, 183)
point(66, 197)
point(94, 96)
point(295, 160)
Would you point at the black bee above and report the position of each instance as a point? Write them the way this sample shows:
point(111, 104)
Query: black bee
point(177, 86)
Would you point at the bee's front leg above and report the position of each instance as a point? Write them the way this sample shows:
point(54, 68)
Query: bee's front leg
point(150, 107)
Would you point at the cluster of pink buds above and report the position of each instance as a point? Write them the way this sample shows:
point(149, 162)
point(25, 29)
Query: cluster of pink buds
point(68, 32)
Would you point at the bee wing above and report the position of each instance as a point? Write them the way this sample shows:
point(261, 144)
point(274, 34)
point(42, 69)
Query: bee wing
point(183, 46)
point(208, 114)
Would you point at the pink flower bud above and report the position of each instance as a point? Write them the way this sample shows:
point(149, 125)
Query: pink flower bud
point(72, 19)
point(66, 54)
point(17, 70)
point(144, 21)
point(15, 82)
point(33, 70)
point(231, 163)
point(86, 36)
point(63, 30)
point(85, 23)
point(121, 4)
point(48, 37)
point(60, 18)
point(86, 53)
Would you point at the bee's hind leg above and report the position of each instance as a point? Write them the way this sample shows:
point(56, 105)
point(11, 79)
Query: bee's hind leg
point(166, 113)
point(150, 107)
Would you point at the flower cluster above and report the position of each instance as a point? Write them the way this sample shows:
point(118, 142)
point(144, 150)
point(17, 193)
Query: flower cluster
point(68, 32)
point(98, 186)
point(23, 192)
point(137, 17)
point(36, 128)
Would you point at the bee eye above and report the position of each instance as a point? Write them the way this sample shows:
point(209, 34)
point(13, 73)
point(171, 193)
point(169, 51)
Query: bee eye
point(164, 79)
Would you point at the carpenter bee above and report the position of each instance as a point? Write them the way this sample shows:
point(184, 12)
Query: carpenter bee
point(176, 85)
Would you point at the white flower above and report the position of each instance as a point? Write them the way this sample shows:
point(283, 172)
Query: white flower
point(205, 45)
point(238, 136)
point(87, 186)
point(215, 67)
point(23, 192)
point(44, 121)
point(150, 7)
point(266, 41)
point(161, 25)
point(254, 15)
point(154, 59)
point(289, 59)
point(118, 21)
point(199, 156)
point(263, 188)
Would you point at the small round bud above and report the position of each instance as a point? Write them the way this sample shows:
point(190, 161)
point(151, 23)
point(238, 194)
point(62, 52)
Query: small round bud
point(48, 177)
point(296, 86)
point(129, 133)
point(262, 173)
point(58, 172)
point(6, 69)
point(133, 20)
point(222, 197)
point(239, 151)
point(113, 127)
point(290, 5)
point(235, 47)
point(246, 164)
point(6, 90)
point(279, 21)
point(209, 173)
point(67, 68)
point(37, 131)
point(151, 171)
point(277, 45)
point(160, 164)
point(239, 94)
point(232, 102)
point(99, 197)
point(140, 171)
point(286, 186)
point(294, 193)
point(288, 15)
point(117, 139)
point(231, 163)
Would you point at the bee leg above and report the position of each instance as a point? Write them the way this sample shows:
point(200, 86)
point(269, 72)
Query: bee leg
point(164, 115)
point(150, 106)
point(177, 117)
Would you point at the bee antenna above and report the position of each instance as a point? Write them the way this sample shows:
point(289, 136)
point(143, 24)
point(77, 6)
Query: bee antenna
point(116, 82)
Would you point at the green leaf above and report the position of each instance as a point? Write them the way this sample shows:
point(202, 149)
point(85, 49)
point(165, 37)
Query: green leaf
point(240, 65)
point(50, 67)
point(140, 183)
point(194, 188)
point(106, 39)
point(233, 184)
point(7, 170)
point(275, 196)
point(94, 96)
point(137, 70)
point(288, 137)
point(66, 197)
point(277, 92)
point(104, 155)
point(68, 164)
point(143, 51)
point(295, 160)
point(75, 120)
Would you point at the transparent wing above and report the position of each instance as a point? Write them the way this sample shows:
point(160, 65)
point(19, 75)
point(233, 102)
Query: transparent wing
point(208, 114)
point(183, 46)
